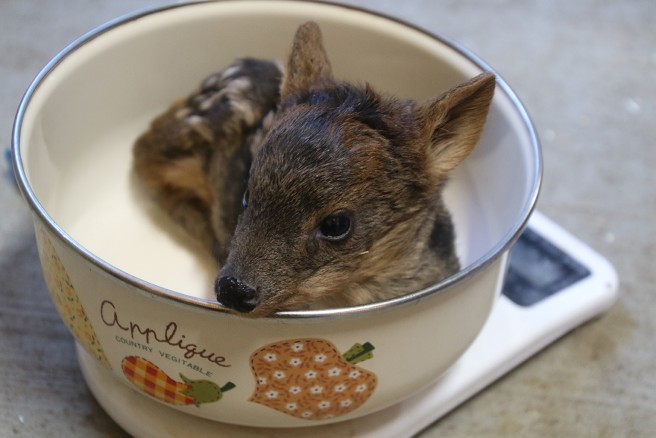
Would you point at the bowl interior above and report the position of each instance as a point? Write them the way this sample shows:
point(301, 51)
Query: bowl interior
point(78, 125)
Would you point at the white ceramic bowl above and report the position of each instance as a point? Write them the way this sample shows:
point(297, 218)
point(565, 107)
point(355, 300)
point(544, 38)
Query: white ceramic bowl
point(139, 300)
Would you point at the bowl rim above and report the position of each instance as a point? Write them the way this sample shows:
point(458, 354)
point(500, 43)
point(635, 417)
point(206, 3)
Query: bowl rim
point(146, 287)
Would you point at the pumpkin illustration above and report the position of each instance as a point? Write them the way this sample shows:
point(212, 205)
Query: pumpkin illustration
point(310, 379)
point(149, 378)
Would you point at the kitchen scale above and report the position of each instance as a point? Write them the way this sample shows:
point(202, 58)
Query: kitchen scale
point(554, 283)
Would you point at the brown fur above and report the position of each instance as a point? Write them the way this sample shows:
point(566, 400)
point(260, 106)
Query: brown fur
point(339, 150)
point(195, 158)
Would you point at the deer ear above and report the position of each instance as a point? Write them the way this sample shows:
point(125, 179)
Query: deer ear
point(307, 62)
point(453, 122)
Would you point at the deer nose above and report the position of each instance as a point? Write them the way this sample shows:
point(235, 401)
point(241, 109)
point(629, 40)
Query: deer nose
point(235, 294)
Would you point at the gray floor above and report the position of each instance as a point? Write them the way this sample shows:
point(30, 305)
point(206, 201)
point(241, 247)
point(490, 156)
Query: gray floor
point(585, 71)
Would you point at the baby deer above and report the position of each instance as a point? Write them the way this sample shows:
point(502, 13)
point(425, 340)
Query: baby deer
point(342, 186)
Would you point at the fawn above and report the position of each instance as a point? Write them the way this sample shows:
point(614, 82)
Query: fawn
point(342, 186)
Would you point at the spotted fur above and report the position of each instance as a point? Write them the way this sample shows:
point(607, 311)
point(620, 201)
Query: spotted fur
point(195, 158)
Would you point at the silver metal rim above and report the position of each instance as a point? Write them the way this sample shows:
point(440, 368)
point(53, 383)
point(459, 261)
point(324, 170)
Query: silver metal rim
point(170, 295)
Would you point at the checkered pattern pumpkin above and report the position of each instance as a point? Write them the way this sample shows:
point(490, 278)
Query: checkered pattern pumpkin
point(150, 379)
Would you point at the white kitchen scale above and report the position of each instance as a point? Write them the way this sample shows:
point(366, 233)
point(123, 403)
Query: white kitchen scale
point(554, 283)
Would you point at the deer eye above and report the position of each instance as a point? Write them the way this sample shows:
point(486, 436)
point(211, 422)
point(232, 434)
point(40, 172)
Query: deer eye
point(336, 227)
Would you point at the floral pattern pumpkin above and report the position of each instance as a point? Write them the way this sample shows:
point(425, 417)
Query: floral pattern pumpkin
point(310, 379)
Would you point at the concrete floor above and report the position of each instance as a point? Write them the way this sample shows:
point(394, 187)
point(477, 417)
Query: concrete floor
point(585, 71)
